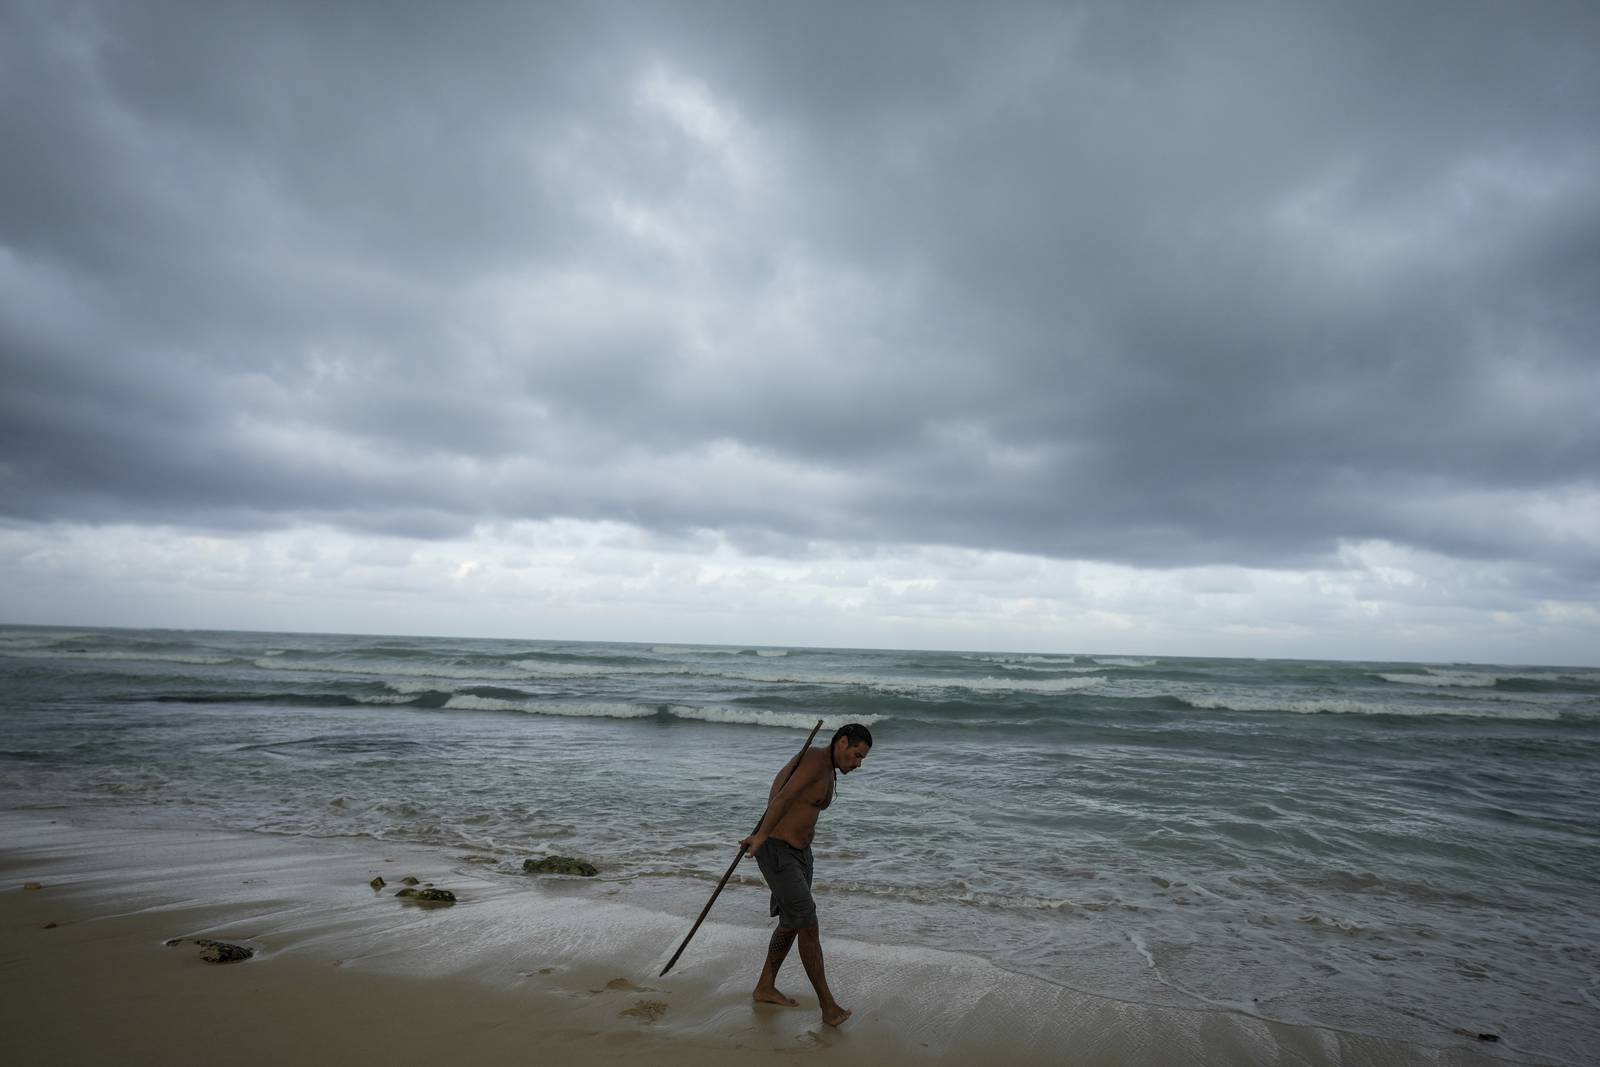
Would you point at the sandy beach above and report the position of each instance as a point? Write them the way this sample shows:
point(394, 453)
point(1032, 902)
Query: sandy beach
point(558, 968)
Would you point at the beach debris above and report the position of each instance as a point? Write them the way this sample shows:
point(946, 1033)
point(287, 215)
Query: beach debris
point(623, 983)
point(50, 925)
point(560, 865)
point(378, 882)
point(31, 886)
point(215, 951)
point(428, 895)
point(410, 879)
point(625, 986)
point(646, 1010)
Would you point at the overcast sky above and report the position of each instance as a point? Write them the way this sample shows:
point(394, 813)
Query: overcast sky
point(1239, 329)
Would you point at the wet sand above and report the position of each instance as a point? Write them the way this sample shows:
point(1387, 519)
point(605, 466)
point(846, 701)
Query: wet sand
point(562, 970)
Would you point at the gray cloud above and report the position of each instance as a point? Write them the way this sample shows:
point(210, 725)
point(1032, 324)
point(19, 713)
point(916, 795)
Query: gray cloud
point(1231, 284)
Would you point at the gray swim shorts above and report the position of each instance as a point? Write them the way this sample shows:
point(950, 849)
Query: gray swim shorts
point(788, 873)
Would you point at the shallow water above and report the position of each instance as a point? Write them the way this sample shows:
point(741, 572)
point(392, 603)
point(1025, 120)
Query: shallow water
point(1392, 848)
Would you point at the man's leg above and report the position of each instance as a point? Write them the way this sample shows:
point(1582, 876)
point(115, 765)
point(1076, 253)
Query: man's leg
point(777, 950)
point(774, 864)
point(811, 956)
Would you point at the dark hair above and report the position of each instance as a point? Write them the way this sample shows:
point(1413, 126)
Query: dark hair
point(854, 732)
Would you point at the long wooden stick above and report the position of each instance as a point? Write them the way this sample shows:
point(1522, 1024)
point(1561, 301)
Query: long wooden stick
point(706, 910)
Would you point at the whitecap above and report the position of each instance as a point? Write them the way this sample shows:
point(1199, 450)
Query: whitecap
point(795, 720)
point(385, 670)
point(192, 659)
point(1362, 707)
point(1443, 678)
point(1028, 685)
point(1347, 926)
point(412, 688)
point(544, 669)
point(917, 684)
point(592, 709)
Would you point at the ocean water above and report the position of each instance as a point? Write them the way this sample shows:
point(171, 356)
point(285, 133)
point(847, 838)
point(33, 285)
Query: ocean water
point(1404, 849)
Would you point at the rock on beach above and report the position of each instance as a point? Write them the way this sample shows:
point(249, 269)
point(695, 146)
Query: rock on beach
point(560, 865)
point(428, 895)
point(215, 951)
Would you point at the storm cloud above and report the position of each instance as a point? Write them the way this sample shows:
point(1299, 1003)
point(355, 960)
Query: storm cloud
point(1236, 285)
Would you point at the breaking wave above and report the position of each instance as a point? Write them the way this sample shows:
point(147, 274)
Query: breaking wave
point(1363, 707)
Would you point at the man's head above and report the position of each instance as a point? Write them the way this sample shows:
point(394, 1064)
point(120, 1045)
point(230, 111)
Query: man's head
point(851, 743)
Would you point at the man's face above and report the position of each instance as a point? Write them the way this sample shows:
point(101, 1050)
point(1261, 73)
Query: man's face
point(848, 757)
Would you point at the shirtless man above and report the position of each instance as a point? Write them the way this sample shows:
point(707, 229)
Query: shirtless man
point(782, 848)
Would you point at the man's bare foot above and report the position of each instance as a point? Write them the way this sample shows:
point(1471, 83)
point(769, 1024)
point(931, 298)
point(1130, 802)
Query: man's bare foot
point(772, 996)
point(835, 1016)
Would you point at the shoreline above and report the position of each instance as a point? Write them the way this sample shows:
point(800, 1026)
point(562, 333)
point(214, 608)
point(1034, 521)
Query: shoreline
point(562, 966)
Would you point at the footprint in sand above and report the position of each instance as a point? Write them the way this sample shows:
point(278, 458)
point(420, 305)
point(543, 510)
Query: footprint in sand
point(647, 1011)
